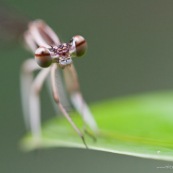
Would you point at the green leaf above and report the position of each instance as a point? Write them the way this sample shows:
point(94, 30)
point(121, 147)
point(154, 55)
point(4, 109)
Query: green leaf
point(137, 125)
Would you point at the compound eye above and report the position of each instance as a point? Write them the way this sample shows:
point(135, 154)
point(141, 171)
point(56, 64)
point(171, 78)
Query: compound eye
point(81, 45)
point(42, 57)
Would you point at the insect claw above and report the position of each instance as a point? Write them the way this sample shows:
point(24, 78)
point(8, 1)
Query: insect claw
point(83, 139)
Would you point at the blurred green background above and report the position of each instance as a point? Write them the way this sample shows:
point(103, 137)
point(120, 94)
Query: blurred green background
point(130, 51)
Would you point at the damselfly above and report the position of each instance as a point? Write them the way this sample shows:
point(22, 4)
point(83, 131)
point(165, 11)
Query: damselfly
point(51, 55)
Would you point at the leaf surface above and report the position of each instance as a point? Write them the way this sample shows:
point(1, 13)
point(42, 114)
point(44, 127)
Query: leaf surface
point(140, 125)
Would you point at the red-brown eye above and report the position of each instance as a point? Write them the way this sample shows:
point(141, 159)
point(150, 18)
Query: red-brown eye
point(81, 45)
point(42, 57)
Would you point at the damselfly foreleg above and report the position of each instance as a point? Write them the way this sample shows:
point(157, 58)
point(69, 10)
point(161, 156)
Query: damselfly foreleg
point(30, 88)
point(60, 106)
point(76, 97)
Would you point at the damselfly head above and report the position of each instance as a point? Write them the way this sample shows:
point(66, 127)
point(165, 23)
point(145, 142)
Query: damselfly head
point(61, 54)
point(79, 45)
point(43, 57)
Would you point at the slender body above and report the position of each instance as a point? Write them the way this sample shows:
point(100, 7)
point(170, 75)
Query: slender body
point(51, 56)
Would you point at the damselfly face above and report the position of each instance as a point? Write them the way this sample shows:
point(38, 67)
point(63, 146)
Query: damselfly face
point(62, 54)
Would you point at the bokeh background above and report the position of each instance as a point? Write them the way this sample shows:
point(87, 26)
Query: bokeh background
point(130, 51)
